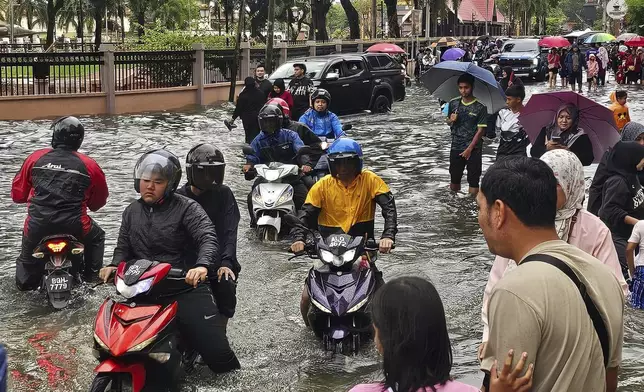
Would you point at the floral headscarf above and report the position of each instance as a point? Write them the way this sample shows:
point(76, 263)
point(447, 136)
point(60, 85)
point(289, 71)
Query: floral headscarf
point(570, 176)
point(569, 136)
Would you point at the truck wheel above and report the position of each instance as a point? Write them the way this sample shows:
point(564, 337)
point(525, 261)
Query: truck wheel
point(381, 105)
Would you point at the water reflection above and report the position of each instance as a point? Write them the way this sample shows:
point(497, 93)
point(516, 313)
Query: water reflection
point(439, 239)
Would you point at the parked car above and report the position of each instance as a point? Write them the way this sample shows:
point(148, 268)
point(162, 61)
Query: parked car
point(525, 57)
point(356, 81)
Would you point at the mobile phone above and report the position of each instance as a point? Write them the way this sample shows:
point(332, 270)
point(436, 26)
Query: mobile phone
point(556, 139)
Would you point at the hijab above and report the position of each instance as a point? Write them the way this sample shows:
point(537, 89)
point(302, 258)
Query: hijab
point(508, 80)
point(573, 133)
point(603, 56)
point(631, 131)
point(622, 161)
point(280, 84)
point(250, 83)
point(570, 176)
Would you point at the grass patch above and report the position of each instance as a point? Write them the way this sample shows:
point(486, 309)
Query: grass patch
point(56, 71)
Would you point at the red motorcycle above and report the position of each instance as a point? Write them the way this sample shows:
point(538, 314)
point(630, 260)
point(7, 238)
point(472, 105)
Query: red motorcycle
point(137, 343)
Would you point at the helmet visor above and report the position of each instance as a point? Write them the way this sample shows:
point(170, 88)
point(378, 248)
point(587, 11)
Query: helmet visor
point(270, 125)
point(205, 175)
point(154, 167)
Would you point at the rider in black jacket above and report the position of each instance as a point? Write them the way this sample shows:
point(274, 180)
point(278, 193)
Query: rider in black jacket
point(205, 168)
point(162, 226)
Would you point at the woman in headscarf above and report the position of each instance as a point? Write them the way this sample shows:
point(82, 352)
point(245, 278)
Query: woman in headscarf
point(564, 133)
point(280, 91)
point(622, 195)
point(509, 78)
point(602, 56)
point(632, 132)
point(251, 99)
point(574, 225)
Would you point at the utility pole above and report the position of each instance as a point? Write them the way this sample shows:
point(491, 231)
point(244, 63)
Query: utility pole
point(374, 17)
point(487, 16)
point(382, 19)
point(233, 72)
point(269, 39)
point(602, 5)
point(427, 20)
point(11, 23)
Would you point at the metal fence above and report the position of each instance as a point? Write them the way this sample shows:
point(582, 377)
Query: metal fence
point(5, 47)
point(297, 51)
point(349, 47)
point(146, 70)
point(323, 50)
point(258, 56)
point(295, 43)
point(218, 65)
point(50, 73)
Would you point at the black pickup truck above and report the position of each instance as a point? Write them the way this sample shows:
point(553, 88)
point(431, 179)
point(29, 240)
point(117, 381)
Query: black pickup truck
point(525, 57)
point(356, 81)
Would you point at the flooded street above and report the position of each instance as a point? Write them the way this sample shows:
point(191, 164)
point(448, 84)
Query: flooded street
point(439, 238)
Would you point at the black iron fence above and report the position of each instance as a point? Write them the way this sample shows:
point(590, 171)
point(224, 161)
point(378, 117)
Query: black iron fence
point(297, 51)
point(50, 73)
point(323, 50)
point(349, 48)
point(146, 70)
point(5, 47)
point(218, 65)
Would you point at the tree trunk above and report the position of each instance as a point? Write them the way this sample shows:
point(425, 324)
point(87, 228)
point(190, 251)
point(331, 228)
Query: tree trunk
point(140, 20)
point(51, 23)
point(392, 17)
point(353, 18)
point(323, 10)
point(98, 28)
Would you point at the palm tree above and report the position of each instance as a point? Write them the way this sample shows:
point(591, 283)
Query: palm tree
point(34, 11)
point(53, 7)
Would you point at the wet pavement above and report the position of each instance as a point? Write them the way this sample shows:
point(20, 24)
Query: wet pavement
point(439, 239)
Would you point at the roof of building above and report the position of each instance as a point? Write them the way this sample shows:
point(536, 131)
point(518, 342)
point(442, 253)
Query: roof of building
point(476, 10)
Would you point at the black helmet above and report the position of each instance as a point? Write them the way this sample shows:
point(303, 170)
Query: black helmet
point(68, 132)
point(159, 162)
point(270, 119)
point(321, 94)
point(205, 166)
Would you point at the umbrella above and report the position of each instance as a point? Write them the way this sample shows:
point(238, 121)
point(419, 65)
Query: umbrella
point(635, 41)
point(441, 81)
point(599, 38)
point(554, 42)
point(453, 54)
point(385, 48)
point(595, 119)
point(626, 36)
point(444, 42)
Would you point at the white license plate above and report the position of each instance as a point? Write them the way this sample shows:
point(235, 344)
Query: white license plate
point(58, 283)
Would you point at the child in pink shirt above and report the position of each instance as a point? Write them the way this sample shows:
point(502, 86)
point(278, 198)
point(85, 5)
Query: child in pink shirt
point(593, 72)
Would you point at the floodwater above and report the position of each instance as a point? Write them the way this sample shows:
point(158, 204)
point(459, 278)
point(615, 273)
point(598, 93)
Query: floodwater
point(439, 239)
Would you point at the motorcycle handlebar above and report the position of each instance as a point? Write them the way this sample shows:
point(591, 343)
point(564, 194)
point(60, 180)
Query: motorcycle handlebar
point(176, 273)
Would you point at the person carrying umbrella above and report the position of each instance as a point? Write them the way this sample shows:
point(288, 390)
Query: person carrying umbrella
point(509, 78)
point(466, 117)
point(564, 132)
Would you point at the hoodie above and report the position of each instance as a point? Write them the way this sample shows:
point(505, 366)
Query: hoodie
point(620, 112)
point(325, 124)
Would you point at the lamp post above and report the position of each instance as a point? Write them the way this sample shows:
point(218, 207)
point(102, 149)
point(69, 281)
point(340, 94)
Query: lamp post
point(487, 16)
point(382, 19)
point(364, 25)
point(11, 23)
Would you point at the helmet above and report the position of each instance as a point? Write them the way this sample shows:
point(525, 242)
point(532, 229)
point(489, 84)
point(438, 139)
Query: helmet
point(321, 94)
point(159, 162)
point(282, 104)
point(270, 119)
point(205, 166)
point(67, 131)
point(344, 150)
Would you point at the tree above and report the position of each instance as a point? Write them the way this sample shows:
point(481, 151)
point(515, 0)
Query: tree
point(176, 14)
point(319, 12)
point(392, 17)
point(337, 20)
point(635, 16)
point(34, 11)
point(353, 19)
point(53, 7)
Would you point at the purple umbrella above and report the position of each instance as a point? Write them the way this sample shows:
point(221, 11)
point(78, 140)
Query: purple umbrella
point(594, 118)
point(453, 54)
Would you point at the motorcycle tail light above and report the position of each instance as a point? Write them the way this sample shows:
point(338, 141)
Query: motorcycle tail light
point(56, 247)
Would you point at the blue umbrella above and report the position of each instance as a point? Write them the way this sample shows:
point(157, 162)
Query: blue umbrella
point(453, 54)
point(441, 81)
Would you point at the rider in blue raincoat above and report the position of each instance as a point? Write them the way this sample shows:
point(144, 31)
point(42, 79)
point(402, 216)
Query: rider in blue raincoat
point(321, 121)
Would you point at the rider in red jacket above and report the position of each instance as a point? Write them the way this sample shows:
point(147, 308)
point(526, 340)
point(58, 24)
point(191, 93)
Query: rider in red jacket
point(59, 184)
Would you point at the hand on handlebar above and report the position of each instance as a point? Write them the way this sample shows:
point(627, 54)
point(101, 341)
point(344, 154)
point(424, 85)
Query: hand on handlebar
point(385, 245)
point(196, 275)
point(246, 168)
point(106, 272)
point(297, 247)
point(225, 272)
point(306, 169)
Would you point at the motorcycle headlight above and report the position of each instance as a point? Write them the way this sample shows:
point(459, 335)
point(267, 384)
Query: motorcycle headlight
point(256, 195)
point(358, 305)
point(349, 255)
point(134, 290)
point(326, 256)
point(142, 345)
point(319, 306)
point(535, 61)
point(100, 342)
point(286, 196)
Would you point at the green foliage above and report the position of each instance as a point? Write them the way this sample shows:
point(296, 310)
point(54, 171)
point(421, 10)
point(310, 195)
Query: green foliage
point(157, 37)
point(635, 16)
point(176, 14)
point(554, 21)
point(337, 22)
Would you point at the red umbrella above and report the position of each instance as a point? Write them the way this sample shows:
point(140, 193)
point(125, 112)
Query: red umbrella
point(635, 41)
point(554, 42)
point(385, 48)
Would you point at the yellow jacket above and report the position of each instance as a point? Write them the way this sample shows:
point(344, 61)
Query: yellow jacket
point(620, 113)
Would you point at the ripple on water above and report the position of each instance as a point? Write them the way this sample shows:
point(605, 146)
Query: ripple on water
point(439, 238)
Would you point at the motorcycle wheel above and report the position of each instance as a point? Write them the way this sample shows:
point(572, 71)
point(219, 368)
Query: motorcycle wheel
point(268, 233)
point(111, 382)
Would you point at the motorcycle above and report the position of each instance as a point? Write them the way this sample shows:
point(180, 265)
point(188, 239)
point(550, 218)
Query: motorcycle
point(136, 340)
point(340, 285)
point(319, 151)
point(492, 65)
point(61, 268)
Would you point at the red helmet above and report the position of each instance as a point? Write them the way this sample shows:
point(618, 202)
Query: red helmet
point(281, 103)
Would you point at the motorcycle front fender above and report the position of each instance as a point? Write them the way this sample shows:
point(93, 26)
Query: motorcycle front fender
point(267, 220)
point(137, 370)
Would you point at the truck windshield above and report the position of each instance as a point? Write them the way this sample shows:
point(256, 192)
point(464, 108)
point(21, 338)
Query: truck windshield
point(285, 71)
point(521, 46)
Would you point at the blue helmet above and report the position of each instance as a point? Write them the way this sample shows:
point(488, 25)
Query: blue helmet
point(345, 149)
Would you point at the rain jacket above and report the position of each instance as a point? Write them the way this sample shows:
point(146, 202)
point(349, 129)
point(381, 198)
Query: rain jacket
point(221, 207)
point(166, 232)
point(620, 113)
point(59, 185)
point(308, 137)
point(325, 124)
point(332, 208)
point(282, 146)
point(582, 62)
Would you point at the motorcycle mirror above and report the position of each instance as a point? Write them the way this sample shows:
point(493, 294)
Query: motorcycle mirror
point(248, 150)
point(347, 127)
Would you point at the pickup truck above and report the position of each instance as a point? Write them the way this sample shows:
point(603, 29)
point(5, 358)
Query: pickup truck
point(525, 57)
point(356, 81)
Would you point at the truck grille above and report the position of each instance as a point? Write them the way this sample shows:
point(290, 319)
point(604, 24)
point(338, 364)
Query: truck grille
point(515, 63)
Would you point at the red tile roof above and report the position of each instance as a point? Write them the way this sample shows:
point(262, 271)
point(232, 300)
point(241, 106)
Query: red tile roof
point(470, 10)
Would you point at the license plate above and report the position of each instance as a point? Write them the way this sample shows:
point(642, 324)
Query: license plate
point(58, 283)
point(515, 69)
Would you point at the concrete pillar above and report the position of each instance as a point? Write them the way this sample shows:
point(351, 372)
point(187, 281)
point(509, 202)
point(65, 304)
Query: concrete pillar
point(338, 45)
point(311, 45)
point(360, 46)
point(245, 59)
point(108, 81)
point(283, 52)
point(198, 71)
